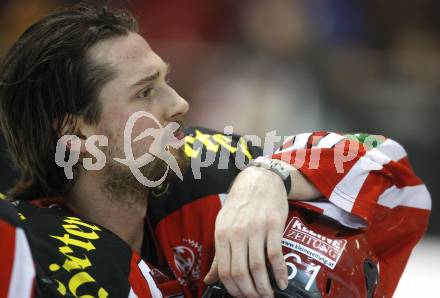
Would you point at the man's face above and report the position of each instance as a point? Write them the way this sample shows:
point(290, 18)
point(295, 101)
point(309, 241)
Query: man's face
point(140, 84)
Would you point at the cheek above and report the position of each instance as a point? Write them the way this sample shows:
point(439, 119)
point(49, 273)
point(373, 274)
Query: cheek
point(113, 120)
point(140, 126)
point(115, 133)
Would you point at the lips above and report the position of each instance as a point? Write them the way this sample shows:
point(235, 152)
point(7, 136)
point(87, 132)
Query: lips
point(179, 134)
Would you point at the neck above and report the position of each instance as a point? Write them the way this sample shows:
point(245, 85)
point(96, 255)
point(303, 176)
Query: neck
point(121, 213)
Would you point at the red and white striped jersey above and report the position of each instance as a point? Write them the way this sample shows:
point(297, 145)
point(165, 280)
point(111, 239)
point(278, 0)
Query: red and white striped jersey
point(17, 272)
point(370, 178)
point(366, 181)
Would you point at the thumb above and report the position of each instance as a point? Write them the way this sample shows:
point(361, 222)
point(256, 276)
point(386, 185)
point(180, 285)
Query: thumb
point(212, 275)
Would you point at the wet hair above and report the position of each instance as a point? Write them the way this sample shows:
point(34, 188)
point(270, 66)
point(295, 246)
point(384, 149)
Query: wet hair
point(48, 79)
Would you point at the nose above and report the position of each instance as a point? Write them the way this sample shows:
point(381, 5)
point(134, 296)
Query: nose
point(177, 106)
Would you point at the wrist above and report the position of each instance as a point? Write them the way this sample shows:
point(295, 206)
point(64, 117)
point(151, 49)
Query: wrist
point(262, 176)
point(279, 168)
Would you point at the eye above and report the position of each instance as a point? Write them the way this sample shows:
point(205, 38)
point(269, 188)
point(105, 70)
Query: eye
point(147, 92)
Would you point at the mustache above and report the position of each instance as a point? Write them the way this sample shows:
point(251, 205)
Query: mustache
point(182, 125)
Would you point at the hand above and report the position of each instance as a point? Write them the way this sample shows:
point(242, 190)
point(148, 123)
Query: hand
point(248, 229)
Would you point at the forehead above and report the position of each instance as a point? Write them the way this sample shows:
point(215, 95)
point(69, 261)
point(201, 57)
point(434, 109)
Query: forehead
point(130, 55)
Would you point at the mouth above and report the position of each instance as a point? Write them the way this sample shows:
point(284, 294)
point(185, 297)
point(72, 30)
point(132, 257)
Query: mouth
point(179, 134)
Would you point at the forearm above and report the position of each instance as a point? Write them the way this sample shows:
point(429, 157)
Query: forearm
point(302, 189)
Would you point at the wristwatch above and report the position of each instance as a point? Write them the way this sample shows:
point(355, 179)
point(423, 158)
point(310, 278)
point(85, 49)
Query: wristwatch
point(279, 167)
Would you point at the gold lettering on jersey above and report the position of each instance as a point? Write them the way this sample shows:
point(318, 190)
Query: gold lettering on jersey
point(78, 237)
point(82, 278)
point(225, 142)
point(61, 288)
point(21, 216)
point(77, 231)
point(206, 141)
point(72, 262)
point(189, 151)
point(214, 143)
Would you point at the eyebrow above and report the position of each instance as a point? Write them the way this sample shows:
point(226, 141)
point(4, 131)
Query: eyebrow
point(151, 78)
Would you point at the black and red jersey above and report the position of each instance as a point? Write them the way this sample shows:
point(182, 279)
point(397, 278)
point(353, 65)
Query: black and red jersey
point(17, 271)
point(373, 190)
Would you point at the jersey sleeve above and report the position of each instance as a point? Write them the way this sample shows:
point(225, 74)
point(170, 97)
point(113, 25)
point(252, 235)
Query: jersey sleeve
point(369, 178)
point(17, 272)
point(214, 160)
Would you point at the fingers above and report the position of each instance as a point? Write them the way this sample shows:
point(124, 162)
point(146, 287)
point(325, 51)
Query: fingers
point(257, 266)
point(239, 267)
point(276, 259)
point(212, 275)
point(223, 256)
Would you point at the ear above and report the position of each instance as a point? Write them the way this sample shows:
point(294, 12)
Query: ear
point(72, 125)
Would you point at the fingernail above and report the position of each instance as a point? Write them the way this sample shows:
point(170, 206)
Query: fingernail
point(282, 284)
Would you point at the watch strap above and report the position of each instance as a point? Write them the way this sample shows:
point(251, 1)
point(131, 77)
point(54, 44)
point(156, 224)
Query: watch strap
point(278, 167)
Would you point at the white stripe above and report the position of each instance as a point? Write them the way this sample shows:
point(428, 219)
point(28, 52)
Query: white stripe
point(330, 140)
point(155, 292)
point(336, 213)
point(23, 272)
point(347, 190)
point(392, 149)
point(222, 197)
point(286, 140)
point(132, 294)
point(300, 142)
point(409, 196)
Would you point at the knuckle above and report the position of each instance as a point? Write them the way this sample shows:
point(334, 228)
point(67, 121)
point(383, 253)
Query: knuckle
point(254, 227)
point(221, 235)
point(224, 275)
point(272, 221)
point(257, 265)
point(275, 256)
point(255, 220)
point(259, 226)
point(238, 274)
point(237, 231)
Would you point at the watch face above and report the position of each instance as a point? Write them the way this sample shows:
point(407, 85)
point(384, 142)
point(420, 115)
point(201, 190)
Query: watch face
point(274, 165)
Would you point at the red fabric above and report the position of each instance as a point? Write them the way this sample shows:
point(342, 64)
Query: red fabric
point(137, 281)
point(191, 227)
point(7, 251)
point(396, 219)
point(393, 234)
point(392, 231)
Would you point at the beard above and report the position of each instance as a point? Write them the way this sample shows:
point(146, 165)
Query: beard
point(120, 183)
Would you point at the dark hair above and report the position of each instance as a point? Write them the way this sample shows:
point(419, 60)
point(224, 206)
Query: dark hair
point(47, 79)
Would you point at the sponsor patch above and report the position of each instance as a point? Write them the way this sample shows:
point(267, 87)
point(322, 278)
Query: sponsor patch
point(187, 258)
point(323, 249)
